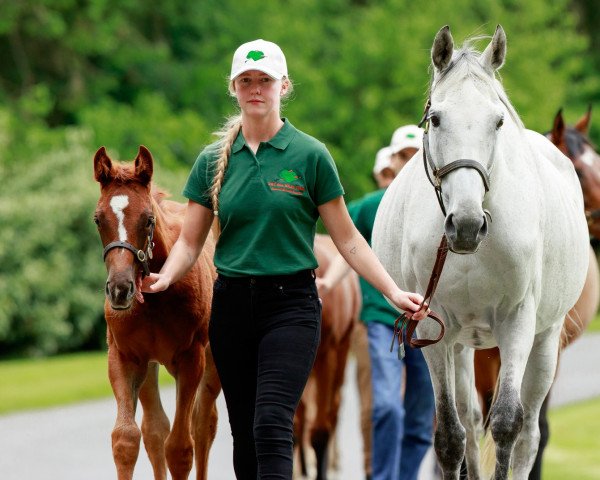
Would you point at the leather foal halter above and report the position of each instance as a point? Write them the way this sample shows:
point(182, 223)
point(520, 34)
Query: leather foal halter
point(142, 256)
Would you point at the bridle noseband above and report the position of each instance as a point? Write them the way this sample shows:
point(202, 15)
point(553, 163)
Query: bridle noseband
point(140, 255)
point(439, 173)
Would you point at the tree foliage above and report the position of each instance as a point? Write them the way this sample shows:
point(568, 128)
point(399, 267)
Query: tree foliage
point(77, 74)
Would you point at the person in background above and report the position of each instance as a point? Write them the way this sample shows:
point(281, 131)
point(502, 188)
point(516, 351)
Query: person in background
point(266, 183)
point(402, 413)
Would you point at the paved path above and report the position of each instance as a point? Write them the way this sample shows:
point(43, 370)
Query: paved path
point(73, 443)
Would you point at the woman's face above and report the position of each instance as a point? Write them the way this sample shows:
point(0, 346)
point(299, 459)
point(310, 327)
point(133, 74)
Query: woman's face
point(258, 94)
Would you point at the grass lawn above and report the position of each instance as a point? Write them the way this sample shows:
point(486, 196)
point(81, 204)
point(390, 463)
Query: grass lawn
point(594, 325)
point(572, 452)
point(28, 384)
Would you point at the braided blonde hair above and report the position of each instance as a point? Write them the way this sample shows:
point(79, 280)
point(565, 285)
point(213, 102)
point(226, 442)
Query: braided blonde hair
point(227, 136)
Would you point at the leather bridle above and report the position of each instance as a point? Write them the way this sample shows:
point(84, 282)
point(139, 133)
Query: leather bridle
point(403, 326)
point(142, 256)
point(439, 173)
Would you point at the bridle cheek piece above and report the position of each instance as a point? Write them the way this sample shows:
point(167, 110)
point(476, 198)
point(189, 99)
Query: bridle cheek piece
point(439, 173)
point(140, 255)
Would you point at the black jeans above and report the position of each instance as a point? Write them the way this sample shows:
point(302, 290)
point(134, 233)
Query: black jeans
point(264, 333)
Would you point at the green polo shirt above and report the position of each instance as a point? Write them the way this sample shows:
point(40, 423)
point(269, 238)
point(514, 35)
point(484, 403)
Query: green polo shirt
point(268, 202)
point(375, 307)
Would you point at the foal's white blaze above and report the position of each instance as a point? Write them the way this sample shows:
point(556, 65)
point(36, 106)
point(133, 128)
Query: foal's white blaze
point(118, 204)
point(588, 156)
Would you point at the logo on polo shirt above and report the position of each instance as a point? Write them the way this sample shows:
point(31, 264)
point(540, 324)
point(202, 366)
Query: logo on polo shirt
point(287, 182)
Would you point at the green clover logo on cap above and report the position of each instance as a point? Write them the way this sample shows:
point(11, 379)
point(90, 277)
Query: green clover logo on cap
point(255, 55)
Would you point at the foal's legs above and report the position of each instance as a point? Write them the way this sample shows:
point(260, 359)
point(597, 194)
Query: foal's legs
point(468, 407)
point(155, 423)
point(125, 379)
point(179, 447)
point(539, 375)
point(205, 416)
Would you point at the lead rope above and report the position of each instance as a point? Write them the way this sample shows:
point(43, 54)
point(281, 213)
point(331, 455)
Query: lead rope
point(406, 326)
point(403, 326)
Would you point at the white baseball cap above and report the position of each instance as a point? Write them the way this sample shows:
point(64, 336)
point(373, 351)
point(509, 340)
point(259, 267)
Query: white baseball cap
point(409, 136)
point(383, 159)
point(259, 55)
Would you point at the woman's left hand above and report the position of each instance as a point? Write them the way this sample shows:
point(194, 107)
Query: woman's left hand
point(410, 302)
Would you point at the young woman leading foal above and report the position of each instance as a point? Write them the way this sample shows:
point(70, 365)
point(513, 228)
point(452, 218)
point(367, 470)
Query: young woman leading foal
point(138, 228)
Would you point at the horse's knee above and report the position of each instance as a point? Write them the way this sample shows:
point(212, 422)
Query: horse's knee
point(506, 419)
point(450, 443)
point(126, 444)
point(179, 451)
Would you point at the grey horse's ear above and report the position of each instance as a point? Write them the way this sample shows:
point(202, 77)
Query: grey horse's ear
point(493, 56)
point(443, 46)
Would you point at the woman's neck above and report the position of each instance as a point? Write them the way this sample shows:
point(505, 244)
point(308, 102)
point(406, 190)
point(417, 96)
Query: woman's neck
point(260, 130)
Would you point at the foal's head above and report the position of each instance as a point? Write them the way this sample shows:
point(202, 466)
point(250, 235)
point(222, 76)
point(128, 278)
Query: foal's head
point(125, 220)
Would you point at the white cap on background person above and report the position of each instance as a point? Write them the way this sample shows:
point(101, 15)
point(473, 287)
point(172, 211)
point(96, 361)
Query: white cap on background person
point(383, 159)
point(409, 136)
point(259, 55)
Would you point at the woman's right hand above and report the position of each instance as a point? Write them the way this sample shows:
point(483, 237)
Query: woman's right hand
point(154, 283)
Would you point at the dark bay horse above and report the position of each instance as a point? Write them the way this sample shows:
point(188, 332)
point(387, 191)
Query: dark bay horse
point(575, 144)
point(138, 227)
point(317, 414)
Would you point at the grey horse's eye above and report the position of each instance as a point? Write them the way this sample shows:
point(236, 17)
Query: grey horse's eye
point(435, 120)
point(500, 123)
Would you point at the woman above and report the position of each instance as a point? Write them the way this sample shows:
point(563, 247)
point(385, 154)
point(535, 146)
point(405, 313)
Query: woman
point(267, 183)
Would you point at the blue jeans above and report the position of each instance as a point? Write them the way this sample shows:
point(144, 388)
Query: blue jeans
point(402, 425)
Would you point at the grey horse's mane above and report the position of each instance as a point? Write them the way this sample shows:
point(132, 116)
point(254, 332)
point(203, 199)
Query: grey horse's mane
point(466, 62)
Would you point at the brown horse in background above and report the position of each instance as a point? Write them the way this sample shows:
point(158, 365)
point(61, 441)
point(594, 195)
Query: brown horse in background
point(138, 227)
point(575, 144)
point(317, 414)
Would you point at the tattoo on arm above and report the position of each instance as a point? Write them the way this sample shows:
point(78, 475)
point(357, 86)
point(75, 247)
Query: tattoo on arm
point(353, 250)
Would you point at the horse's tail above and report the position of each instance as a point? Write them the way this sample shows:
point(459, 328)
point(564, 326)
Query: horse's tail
point(572, 328)
point(488, 455)
point(488, 451)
